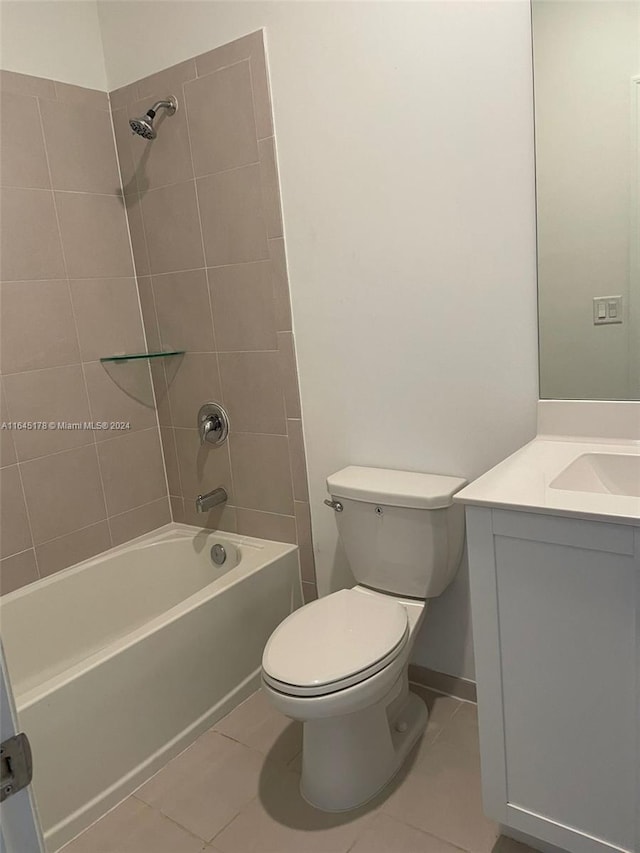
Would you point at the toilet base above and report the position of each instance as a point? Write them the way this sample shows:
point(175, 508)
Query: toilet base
point(347, 760)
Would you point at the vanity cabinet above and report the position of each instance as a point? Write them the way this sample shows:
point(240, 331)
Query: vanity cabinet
point(556, 616)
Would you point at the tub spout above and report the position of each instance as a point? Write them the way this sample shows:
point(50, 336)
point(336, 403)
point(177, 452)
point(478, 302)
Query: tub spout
point(206, 502)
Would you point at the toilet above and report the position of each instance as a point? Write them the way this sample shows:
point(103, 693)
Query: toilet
point(340, 664)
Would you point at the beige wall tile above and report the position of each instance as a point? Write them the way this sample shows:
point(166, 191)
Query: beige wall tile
point(138, 237)
point(261, 475)
point(252, 391)
point(25, 84)
point(243, 307)
point(7, 446)
point(107, 316)
point(233, 222)
point(184, 311)
point(229, 53)
point(17, 571)
point(124, 96)
point(298, 461)
point(171, 226)
point(74, 548)
point(132, 470)
point(221, 122)
point(305, 544)
point(23, 161)
point(167, 158)
point(149, 317)
point(24, 213)
point(140, 520)
point(67, 93)
point(266, 525)
point(169, 81)
point(221, 517)
point(289, 371)
point(161, 389)
point(248, 47)
point(79, 141)
point(123, 139)
point(202, 467)
point(37, 325)
point(177, 509)
point(63, 492)
point(167, 435)
point(57, 394)
point(270, 187)
point(120, 393)
point(261, 89)
point(282, 300)
point(194, 382)
point(94, 235)
point(15, 534)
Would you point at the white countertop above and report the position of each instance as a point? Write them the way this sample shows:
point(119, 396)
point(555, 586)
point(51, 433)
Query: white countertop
point(521, 482)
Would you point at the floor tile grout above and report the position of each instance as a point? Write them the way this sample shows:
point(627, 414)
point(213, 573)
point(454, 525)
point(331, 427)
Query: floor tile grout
point(255, 815)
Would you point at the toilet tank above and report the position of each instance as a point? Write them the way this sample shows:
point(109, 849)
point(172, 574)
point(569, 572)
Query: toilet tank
point(401, 531)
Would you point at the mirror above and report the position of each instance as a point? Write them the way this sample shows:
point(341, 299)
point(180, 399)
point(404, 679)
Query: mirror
point(587, 122)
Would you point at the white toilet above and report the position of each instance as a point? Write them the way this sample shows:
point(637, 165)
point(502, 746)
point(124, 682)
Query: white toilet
point(340, 664)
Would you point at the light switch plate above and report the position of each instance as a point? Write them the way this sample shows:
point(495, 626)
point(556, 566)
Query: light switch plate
point(607, 310)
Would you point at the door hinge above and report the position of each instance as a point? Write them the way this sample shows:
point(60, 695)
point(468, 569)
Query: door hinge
point(16, 767)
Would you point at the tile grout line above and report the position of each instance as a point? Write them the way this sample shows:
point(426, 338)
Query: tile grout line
point(74, 316)
point(140, 312)
point(209, 289)
point(73, 312)
point(83, 446)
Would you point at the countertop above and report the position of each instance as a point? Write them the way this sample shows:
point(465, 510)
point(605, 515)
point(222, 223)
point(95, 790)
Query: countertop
point(521, 482)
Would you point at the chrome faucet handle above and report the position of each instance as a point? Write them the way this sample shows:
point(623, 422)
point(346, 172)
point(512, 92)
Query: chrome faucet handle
point(213, 424)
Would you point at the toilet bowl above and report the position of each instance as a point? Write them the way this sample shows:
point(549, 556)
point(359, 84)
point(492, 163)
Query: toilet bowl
point(340, 664)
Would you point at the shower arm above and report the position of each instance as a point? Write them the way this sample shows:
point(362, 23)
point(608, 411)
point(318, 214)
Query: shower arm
point(170, 105)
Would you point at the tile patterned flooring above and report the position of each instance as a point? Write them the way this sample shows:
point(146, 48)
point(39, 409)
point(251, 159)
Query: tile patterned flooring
point(235, 790)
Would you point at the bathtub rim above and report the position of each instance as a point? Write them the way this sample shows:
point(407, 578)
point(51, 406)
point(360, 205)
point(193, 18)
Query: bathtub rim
point(158, 534)
point(275, 551)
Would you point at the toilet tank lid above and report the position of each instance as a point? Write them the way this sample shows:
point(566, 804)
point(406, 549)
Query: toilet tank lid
point(409, 489)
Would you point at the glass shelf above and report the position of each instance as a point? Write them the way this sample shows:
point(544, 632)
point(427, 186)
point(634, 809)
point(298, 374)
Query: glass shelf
point(137, 355)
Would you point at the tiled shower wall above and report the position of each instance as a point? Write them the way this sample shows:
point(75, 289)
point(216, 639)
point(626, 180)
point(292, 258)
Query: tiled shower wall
point(203, 211)
point(206, 227)
point(67, 297)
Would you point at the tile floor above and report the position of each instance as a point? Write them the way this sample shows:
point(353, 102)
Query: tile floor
point(235, 790)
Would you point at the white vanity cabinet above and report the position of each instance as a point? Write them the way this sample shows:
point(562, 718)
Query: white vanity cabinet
point(556, 624)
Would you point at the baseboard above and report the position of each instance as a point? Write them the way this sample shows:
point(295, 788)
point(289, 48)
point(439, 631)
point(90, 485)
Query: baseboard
point(440, 682)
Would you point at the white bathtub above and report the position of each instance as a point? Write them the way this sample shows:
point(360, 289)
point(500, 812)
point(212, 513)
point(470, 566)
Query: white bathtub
point(118, 663)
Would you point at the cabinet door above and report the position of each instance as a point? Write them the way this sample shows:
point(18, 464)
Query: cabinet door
point(566, 598)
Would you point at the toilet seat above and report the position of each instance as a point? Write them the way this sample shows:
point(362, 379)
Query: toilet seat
point(334, 643)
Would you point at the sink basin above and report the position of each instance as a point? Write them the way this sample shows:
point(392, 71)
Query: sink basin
point(607, 473)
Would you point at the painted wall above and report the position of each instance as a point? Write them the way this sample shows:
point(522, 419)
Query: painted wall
point(585, 57)
point(405, 147)
point(60, 40)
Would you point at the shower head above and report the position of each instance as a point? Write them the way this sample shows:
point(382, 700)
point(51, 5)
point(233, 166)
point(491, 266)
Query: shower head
point(144, 126)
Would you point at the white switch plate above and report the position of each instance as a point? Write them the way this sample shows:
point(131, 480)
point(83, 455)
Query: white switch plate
point(607, 309)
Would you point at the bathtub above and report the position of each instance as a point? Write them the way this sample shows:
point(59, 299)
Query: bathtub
point(120, 662)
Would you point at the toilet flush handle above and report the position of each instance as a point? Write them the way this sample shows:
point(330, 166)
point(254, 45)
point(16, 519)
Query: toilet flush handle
point(334, 505)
